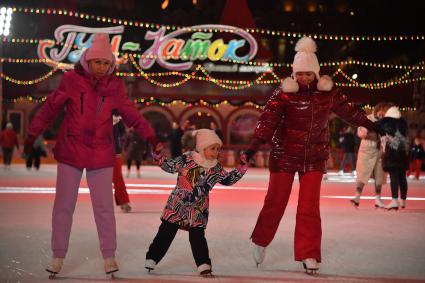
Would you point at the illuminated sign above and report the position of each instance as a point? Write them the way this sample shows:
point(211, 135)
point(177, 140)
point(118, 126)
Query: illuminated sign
point(169, 51)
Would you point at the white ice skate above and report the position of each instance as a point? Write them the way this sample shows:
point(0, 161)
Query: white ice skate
point(205, 270)
point(150, 264)
point(311, 266)
point(378, 202)
point(259, 253)
point(403, 203)
point(393, 205)
point(54, 267)
point(111, 266)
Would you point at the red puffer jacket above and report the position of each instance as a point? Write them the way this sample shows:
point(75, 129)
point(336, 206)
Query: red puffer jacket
point(297, 125)
point(86, 138)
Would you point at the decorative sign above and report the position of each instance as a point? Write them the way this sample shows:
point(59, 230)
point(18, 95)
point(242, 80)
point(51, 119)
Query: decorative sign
point(169, 51)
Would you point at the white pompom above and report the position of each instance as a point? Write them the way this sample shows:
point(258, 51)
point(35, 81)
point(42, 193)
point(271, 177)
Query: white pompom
point(306, 44)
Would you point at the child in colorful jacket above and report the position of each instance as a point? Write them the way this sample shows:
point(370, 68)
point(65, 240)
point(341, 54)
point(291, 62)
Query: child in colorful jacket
point(187, 207)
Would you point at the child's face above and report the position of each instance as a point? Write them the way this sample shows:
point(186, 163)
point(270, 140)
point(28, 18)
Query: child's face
point(211, 152)
point(99, 67)
point(304, 78)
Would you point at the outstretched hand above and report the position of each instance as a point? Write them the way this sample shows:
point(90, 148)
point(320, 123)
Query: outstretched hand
point(157, 152)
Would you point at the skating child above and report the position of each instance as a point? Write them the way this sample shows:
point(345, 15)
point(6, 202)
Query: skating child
point(88, 95)
point(187, 207)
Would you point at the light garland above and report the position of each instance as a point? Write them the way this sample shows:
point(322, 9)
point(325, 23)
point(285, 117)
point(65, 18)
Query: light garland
point(201, 102)
point(275, 33)
point(29, 82)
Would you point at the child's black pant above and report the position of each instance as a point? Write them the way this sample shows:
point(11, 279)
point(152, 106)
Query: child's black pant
point(165, 236)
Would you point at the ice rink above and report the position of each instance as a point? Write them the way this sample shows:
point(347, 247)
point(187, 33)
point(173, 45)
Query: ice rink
point(359, 245)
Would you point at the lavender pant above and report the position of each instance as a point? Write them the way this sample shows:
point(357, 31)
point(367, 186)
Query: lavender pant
point(67, 184)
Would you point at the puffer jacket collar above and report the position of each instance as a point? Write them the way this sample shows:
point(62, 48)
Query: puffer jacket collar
point(290, 85)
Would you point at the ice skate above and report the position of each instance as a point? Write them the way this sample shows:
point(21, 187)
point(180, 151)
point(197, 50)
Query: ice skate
point(150, 264)
point(205, 270)
point(378, 202)
point(126, 208)
point(259, 253)
point(341, 173)
point(355, 202)
point(393, 205)
point(54, 267)
point(311, 266)
point(403, 203)
point(111, 266)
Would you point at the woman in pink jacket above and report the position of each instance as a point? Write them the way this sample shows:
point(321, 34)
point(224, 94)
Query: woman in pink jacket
point(88, 95)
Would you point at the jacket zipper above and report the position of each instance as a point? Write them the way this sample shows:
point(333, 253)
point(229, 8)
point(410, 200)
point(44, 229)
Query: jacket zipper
point(82, 103)
point(100, 105)
point(309, 133)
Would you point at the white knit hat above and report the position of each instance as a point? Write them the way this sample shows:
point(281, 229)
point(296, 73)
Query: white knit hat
point(305, 59)
point(205, 138)
point(9, 125)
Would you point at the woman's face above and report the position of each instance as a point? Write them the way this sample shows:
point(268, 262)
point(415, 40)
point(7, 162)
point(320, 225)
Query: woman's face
point(304, 78)
point(99, 67)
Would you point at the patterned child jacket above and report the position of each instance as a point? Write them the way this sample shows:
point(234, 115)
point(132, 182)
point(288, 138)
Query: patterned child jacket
point(188, 204)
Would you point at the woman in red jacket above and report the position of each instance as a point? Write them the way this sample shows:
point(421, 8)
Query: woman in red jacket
point(295, 120)
point(89, 94)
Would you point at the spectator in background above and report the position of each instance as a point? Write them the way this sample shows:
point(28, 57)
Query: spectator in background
point(348, 145)
point(135, 149)
point(38, 150)
point(8, 140)
point(217, 131)
point(175, 138)
point(416, 157)
point(188, 140)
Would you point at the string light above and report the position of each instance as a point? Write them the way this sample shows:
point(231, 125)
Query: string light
point(274, 33)
point(180, 102)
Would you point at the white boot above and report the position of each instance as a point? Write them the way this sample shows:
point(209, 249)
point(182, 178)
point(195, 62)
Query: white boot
point(205, 269)
point(378, 202)
point(150, 264)
point(341, 172)
point(55, 266)
point(310, 265)
point(110, 265)
point(259, 253)
point(403, 203)
point(392, 205)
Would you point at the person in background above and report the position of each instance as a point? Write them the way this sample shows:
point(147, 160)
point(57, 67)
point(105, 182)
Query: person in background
point(416, 157)
point(135, 149)
point(395, 159)
point(369, 159)
point(8, 141)
point(348, 145)
point(121, 195)
point(39, 150)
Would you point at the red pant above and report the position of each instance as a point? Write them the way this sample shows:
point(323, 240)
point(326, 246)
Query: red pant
point(415, 165)
point(308, 230)
point(121, 195)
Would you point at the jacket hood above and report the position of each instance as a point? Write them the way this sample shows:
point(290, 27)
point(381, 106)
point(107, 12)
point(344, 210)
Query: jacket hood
point(289, 85)
point(393, 112)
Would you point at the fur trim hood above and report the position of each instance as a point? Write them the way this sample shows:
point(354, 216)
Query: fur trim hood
point(289, 85)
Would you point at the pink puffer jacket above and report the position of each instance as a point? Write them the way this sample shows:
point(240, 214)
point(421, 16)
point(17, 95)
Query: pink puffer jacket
point(85, 138)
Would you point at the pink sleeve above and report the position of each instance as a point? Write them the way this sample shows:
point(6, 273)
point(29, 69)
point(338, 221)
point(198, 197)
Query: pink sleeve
point(133, 118)
point(53, 105)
